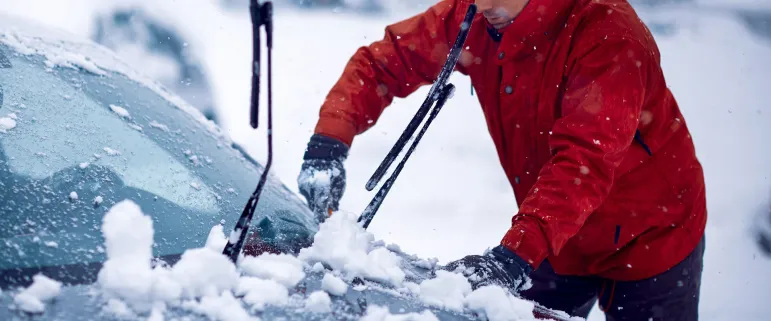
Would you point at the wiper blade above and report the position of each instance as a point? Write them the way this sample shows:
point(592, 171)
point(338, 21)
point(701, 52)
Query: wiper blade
point(261, 15)
point(440, 92)
point(434, 95)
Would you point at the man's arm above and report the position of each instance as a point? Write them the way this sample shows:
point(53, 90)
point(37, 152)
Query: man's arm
point(409, 56)
point(601, 108)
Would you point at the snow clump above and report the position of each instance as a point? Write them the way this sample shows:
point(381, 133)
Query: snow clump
point(499, 305)
point(41, 290)
point(128, 275)
point(333, 284)
point(452, 291)
point(379, 313)
point(6, 124)
point(111, 151)
point(203, 281)
point(120, 111)
point(448, 290)
point(260, 293)
point(347, 247)
point(283, 268)
point(206, 282)
point(319, 302)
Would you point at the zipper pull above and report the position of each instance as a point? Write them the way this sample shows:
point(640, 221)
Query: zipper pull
point(472, 89)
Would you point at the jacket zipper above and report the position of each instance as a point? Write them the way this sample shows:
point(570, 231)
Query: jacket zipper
point(499, 120)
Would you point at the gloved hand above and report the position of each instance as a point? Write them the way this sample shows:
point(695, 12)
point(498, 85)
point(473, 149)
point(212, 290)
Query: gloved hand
point(500, 267)
point(322, 176)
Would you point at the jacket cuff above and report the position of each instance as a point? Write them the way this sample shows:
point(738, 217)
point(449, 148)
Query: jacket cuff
point(526, 239)
point(339, 129)
point(507, 256)
point(323, 147)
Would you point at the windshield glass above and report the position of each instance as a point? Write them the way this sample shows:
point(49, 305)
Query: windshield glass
point(74, 143)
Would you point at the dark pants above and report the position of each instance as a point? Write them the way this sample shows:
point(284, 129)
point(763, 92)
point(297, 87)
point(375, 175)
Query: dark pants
point(672, 295)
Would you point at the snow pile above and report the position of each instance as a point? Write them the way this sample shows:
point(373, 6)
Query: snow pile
point(499, 305)
point(206, 282)
point(203, 281)
point(259, 293)
point(448, 290)
point(128, 278)
point(216, 240)
point(319, 302)
point(225, 307)
point(203, 272)
point(333, 285)
point(452, 291)
point(347, 247)
point(283, 268)
point(32, 299)
point(379, 313)
point(127, 273)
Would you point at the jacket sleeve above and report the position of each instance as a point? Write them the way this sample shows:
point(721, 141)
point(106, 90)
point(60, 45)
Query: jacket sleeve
point(410, 55)
point(600, 112)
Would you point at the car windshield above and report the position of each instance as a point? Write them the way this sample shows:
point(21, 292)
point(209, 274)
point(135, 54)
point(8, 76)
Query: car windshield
point(73, 143)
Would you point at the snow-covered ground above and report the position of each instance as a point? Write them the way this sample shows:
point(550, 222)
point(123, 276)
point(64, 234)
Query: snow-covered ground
point(452, 198)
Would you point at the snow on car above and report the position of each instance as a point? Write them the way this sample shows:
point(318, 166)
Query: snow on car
point(118, 196)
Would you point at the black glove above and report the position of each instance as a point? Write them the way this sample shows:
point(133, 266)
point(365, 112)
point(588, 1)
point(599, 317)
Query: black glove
point(500, 267)
point(322, 176)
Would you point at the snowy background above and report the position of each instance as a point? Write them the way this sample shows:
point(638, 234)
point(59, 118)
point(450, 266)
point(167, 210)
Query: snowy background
point(717, 66)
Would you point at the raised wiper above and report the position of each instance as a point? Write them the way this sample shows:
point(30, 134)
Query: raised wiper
point(261, 15)
point(440, 92)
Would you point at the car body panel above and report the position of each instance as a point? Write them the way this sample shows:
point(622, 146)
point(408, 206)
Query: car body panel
point(162, 153)
point(84, 302)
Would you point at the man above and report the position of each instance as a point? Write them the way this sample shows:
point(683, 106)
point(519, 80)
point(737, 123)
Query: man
point(610, 193)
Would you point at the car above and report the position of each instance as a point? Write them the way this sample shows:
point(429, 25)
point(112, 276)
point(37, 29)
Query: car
point(117, 196)
point(159, 49)
point(757, 21)
point(762, 229)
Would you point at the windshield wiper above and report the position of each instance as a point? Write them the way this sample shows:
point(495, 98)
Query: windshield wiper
point(261, 15)
point(439, 93)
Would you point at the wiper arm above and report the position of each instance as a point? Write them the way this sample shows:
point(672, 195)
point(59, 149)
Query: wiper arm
point(261, 15)
point(440, 92)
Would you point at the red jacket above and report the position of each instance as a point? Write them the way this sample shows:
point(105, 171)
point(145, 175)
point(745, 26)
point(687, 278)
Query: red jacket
point(564, 91)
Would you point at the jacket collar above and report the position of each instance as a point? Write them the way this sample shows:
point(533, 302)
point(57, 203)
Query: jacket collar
point(535, 27)
point(494, 33)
